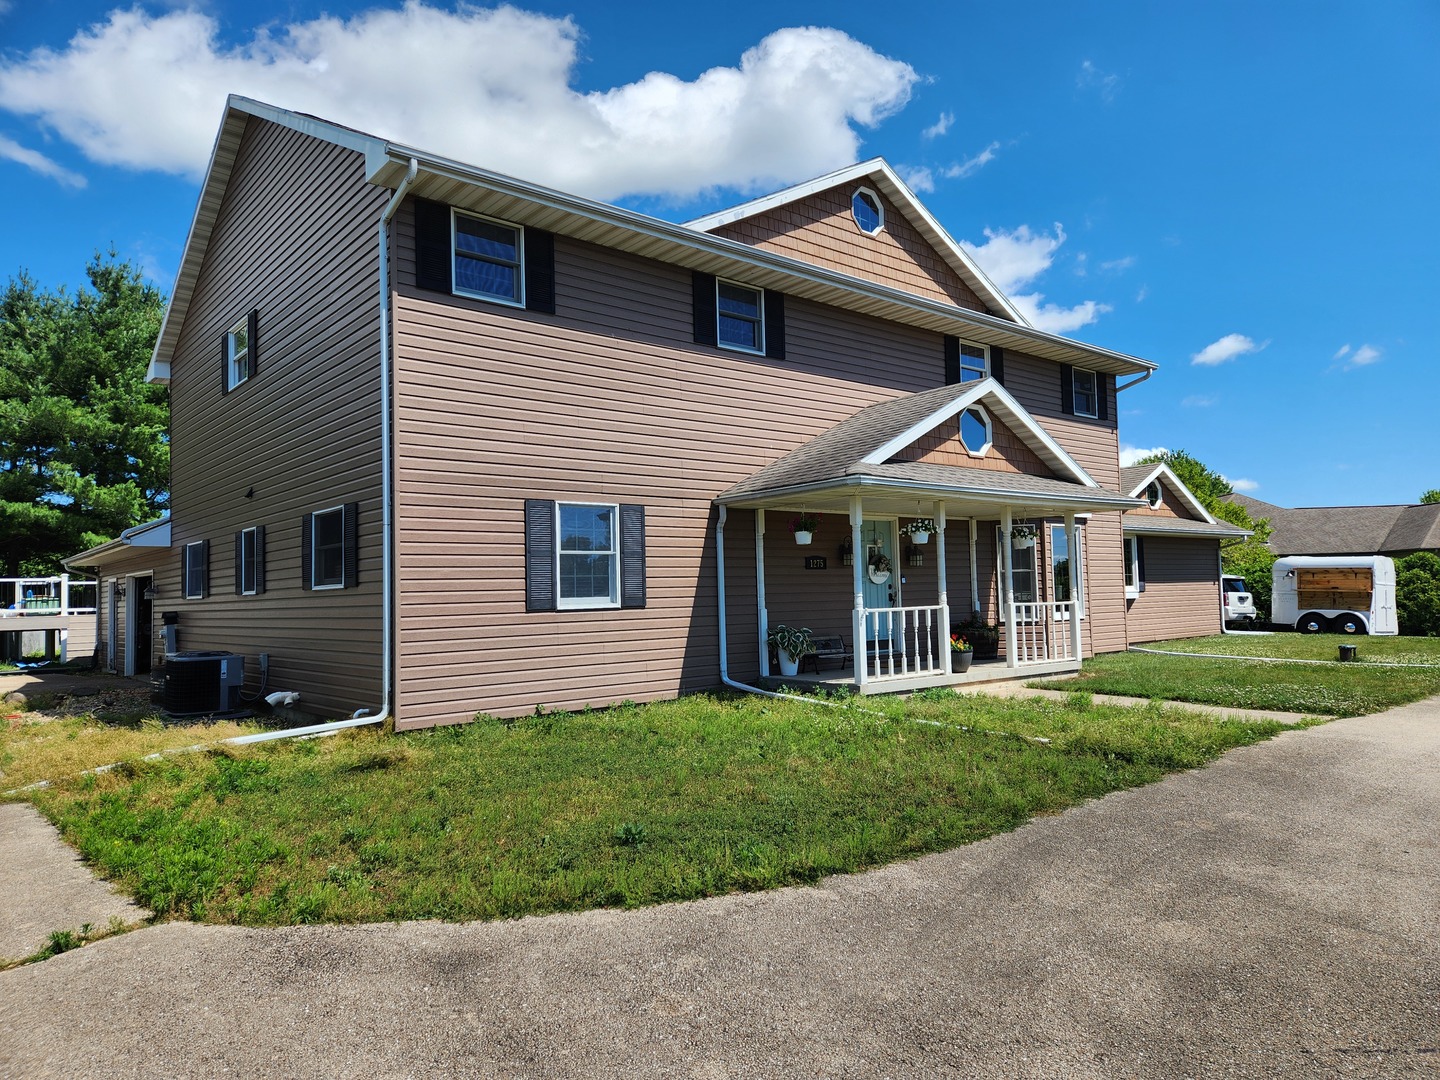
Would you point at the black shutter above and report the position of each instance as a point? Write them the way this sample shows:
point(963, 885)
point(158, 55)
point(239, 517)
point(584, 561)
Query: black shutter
point(703, 308)
point(632, 555)
point(239, 562)
point(433, 255)
point(307, 540)
point(997, 365)
point(540, 586)
point(1067, 389)
point(774, 326)
point(540, 270)
point(952, 360)
point(225, 362)
point(252, 340)
point(260, 558)
point(1104, 385)
point(351, 522)
point(1140, 561)
point(184, 573)
point(204, 568)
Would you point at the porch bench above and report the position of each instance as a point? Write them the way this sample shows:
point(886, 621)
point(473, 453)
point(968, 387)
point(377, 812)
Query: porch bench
point(828, 648)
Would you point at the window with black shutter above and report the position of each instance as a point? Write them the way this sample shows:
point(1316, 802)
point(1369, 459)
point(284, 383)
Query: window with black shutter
point(329, 548)
point(584, 555)
point(240, 352)
point(250, 561)
point(484, 258)
point(195, 570)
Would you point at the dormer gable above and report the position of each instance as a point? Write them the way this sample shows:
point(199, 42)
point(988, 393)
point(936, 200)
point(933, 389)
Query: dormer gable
point(1164, 494)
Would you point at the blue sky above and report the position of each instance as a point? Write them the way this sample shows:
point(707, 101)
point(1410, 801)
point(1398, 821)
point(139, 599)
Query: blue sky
point(1242, 192)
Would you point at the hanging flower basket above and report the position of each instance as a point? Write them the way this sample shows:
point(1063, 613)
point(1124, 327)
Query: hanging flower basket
point(803, 528)
point(919, 530)
point(1022, 537)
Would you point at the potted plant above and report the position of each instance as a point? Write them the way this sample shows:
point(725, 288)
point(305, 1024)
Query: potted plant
point(961, 653)
point(790, 644)
point(880, 567)
point(983, 639)
point(1023, 536)
point(804, 527)
point(919, 530)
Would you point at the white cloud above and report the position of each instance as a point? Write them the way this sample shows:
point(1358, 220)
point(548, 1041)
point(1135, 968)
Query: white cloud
point(970, 166)
point(918, 177)
point(33, 159)
point(940, 127)
point(1107, 82)
point(1129, 455)
point(1200, 401)
point(1117, 266)
point(1013, 260)
point(1142, 294)
point(1227, 348)
point(491, 86)
point(1243, 485)
point(1341, 352)
point(1363, 357)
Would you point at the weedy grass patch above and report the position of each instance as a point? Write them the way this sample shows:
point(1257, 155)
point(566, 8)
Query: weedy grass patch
point(617, 807)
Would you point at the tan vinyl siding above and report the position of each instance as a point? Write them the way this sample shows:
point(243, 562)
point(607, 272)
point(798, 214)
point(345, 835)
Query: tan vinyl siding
point(1170, 506)
point(1008, 452)
point(1182, 590)
point(821, 230)
point(295, 239)
point(134, 561)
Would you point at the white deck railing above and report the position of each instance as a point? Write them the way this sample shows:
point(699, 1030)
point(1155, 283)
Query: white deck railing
point(905, 641)
point(1042, 632)
point(44, 596)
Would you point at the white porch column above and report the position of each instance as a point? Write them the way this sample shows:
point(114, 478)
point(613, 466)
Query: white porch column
point(974, 576)
point(1004, 557)
point(944, 587)
point(762, 614)
point(64, 594)
point(1072, 545)
point(857, 621)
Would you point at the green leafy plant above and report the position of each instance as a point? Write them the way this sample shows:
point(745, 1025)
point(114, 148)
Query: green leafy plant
point(630, 834)
point(806, 522)
point(794, 640)
point(958, 643)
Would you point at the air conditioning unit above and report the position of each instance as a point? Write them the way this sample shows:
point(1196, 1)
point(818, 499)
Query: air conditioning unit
point(202, 681)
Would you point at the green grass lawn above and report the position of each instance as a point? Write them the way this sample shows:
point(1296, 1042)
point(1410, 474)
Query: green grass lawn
point(1331, 689)
point(620, 807)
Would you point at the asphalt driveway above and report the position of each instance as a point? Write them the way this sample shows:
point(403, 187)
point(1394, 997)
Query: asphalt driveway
point(1276, 914)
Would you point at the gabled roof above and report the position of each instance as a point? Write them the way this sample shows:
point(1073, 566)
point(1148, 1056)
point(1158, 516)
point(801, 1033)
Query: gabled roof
point(1348, 530)
point(1136, 478)
point(494, 194)
point(878, 172)
point(859, 452)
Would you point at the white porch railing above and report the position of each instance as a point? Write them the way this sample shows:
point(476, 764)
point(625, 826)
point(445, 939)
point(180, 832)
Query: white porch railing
point(1042, 632)
point(45, 596)
point(905, 641)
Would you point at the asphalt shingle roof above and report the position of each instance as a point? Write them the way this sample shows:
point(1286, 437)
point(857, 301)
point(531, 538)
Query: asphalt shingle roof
point(1348, 530)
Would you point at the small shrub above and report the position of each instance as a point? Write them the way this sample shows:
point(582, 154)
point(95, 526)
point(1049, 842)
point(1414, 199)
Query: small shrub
point(630, 834)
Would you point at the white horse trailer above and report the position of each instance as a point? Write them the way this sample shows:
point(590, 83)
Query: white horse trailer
point(1342, 594)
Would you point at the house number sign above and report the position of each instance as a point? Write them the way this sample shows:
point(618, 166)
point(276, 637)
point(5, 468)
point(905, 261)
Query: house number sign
point(814, 562)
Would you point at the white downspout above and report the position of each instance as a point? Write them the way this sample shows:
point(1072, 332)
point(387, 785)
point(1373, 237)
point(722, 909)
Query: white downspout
point(363, 717)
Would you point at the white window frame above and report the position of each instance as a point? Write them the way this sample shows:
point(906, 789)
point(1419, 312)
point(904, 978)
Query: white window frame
point(1077, 566)
point(983, 368)
point(237, 363)
point(1158, 496)
point(190, 568)
point(989, 430)
point(316, 586)
point(879, 211)
point(583, 603)
point(1094, 392)
point(250, 567)
point(759, 321)
point(1034, 573)
point(519, 264)
point(1130, 548)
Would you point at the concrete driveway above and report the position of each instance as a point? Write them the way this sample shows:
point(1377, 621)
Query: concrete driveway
point(1276, 914)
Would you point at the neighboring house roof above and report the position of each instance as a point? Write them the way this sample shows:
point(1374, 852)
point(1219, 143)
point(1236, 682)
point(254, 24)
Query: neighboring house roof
point(154, 534)
point(1348, 530)
point(494, 194)
point(1134, 479)
point(889, 184)
point(859, 452)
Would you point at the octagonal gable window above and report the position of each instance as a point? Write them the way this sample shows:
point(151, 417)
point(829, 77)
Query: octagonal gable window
point(866, 209)
point(975, 431)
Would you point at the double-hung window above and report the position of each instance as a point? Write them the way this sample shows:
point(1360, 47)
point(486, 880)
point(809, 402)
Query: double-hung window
point(489, 258)
point(1022, 561)
point(740, 315)
point(1086, 390)
point(1133, 583)
point(240, 352)
point(587, 540)
point(197, 569)
point(584, 555)
point(1066, 573)
point(250, 561)
point(327, 549)
point(974, 362)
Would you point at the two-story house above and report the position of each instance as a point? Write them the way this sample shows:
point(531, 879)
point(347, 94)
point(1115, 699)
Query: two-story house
point(447, 442)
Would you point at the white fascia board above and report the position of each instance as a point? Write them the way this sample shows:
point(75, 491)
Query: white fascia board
point(1173, 483)
point(765, 499)
point(1010, 410)
point(888, 180)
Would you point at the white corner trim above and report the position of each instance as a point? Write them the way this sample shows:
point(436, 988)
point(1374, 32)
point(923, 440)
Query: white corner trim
point(1008, 409)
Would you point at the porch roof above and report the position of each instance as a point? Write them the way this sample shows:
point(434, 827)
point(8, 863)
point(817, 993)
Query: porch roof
point(1165, 526)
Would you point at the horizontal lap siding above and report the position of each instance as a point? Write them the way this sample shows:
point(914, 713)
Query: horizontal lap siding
point(605, 401)
point(295, 239)
point(137, 560)
point(821, 230)
point(1170, 506)
point(1182, 590)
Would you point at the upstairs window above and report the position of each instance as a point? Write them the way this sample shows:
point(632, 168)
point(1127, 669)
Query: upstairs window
point(489, 257)
point(740, 317)
point(196, 570)
point(1087, 395)
point(974, 362)
point(240, 352)
point(865, 208)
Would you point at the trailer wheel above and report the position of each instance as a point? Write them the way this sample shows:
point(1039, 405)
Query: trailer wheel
point(1351, 624)
point(1311, 623)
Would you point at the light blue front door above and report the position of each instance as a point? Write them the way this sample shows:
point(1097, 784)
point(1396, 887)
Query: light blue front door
point(879, 537)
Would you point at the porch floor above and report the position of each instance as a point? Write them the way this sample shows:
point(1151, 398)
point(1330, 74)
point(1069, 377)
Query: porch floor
point(982, 672)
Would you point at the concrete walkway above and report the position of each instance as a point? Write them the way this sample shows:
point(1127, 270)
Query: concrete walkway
point(1275, 914)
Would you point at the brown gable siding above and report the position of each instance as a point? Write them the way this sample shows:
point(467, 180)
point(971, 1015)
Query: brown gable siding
point(820, 230)
point(1170, 506)
point(295, 239)
point(1008, 454)
point(1182, 590)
